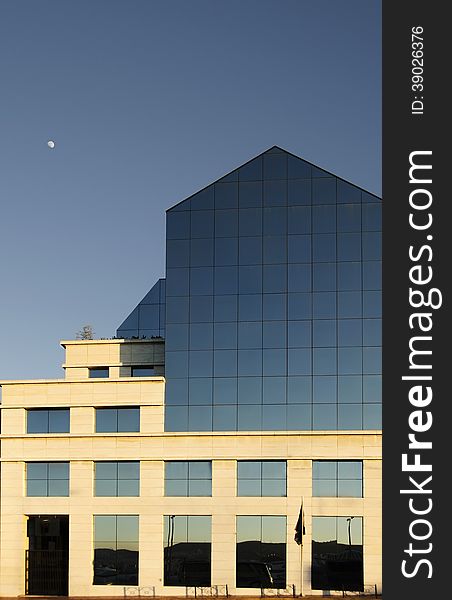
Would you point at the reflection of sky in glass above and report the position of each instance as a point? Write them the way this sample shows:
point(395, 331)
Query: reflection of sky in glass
point(266, 529)
point(116, 532)
point(326, 529)
point(181, 528)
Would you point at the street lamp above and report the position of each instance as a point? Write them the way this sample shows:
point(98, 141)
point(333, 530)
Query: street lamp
point(349, 521)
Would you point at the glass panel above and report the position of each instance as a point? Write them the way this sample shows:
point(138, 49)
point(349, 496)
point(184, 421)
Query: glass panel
point(250, 390)
point(372, 304)
point(349, 304)
point(143, 371)
point(324, 305)
point(324, 191)
point(372, 275)
point(200, 418)
point(299, 278)
point(299, 248)
point(249, 418)
point(37, 421)
point(350, 489)
point(37, 487)
point(274, 417)
point(349, 276)
point(372, 217)
point(347, 193)
point(225, 363)
point(275, 166)
point(275, 249)
point(250, 279)
point(225, 390)
point(226, 195)
point(324, 361)
point(324, 469)
point(58, 470)
point(106, 487)
point(273, 469)
point(250, 222)
point(299, 417)
point(176, 487)
point(372, 360)
point(250, 307)
point(324, 277)
point(324, 219)
point(299, 192)
point(297, 168)
point(324, 247)
point(201, 252)
point(349, 332)
point(350, 389)
point(201, 281)
point(250, 250)
point(201, 309)
point(202, 224)
point(177, 310)
point(349, 361)
point(226, 223)
point(274, 278)
point(250, 194)
point(274, 334)
point(372, 246)
point(58, 487)
point(324, 333)
point(37, 470)
point(59, 421)
point(200, 363)
point(226, 251)
point(225, 418)
point(348, 469)
point(176, 469)
point(250, 362)
point(274, 307)
point(275, 193)
point(274, 390)
point(199, 487)
point(128, 419)
point(250, 334)
point(177, 416)
point(299, 219)
point(299, 390)
point(372, 416)
point(350, 416)
point(349, 217)
point(300, 306)
point(98, 372)
point(225, 308)
point(252, 171)
point(106, 420)
point(275, 221)
point(177, 225)
point(201, 469)
point(201, 336)
point(200, 390)
point(226, 280)
point(299, 361)
point(324, 417)
point(324, 389)
point(249, 469)
point(176, 364)
point(249, 487)
point(274, 362)
point(324, 488)
point(372, 388)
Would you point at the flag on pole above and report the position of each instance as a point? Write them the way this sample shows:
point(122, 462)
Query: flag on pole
point(300, 529)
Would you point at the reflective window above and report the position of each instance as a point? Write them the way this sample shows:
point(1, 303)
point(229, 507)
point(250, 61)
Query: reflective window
point(337, 478)
point(47, 478)
point(250, 194)
point(187, 550)
point(188, 478)
point(202, 224)
point(142, 371)
point(261, 552)
point(98, 372)
point(117, 420)
point(337, 537)
point(53, 420)
point(116, 549)
point(261, 478)
point(250, 222)
point(324, 190)
point(226, 195)
point(119, 478)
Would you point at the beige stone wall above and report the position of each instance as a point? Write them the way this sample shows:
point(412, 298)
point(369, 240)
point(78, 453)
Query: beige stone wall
point(152, 446)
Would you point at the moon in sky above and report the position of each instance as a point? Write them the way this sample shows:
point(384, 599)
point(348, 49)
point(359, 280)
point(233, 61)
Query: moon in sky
point(51, 144)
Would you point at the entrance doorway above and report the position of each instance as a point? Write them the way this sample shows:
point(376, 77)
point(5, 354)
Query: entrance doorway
point(47, 557)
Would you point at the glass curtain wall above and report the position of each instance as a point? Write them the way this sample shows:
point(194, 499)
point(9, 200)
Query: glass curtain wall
point(273, 302)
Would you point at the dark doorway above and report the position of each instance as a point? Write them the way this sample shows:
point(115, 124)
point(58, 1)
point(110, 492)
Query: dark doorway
point(47, 557)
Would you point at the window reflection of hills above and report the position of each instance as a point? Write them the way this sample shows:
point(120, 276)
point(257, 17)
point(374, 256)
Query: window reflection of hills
point(115, 567)
point(261, 565)
point(187, 564)
point(337, 566)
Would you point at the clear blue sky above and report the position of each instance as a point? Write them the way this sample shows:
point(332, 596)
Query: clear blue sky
point(149, 101)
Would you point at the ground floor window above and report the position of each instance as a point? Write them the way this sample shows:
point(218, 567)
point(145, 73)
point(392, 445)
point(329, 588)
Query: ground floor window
point(261, 552)
point(337, 553)
point(116, 549)
point(187, 550)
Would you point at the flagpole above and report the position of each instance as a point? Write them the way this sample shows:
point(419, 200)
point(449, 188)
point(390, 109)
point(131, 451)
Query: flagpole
point(301, 554)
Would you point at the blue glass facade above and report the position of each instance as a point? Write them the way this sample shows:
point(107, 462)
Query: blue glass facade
point(273, 302)
point(148, 318)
